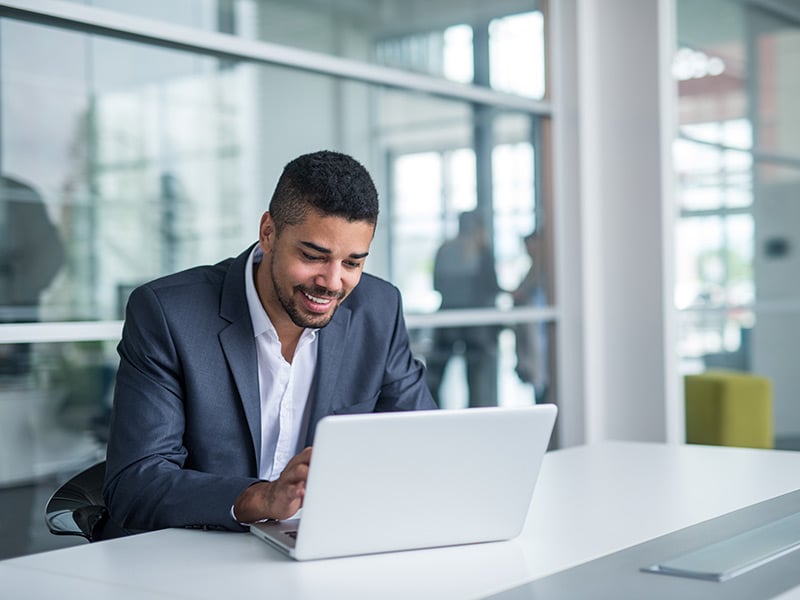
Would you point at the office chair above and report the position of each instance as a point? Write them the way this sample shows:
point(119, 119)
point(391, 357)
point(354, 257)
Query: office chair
point(77, 507)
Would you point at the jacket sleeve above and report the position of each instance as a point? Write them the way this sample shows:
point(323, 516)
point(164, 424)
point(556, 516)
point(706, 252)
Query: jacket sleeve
point(147, 483)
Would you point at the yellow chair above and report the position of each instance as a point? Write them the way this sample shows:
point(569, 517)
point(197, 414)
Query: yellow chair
point(729, 408)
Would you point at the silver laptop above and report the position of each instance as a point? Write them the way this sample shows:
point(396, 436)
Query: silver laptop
point(382, 482)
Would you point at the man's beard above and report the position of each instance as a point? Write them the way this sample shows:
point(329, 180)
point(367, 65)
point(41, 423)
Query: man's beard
point(303, 320)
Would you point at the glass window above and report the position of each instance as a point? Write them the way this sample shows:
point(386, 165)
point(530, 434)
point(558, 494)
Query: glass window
point(448, 255)
point(138, 169)
point(114, 176)
point(125, 161)
point(458, 59)
point(122, 161)
point(514, 203)
point(516, 54)
point(446, 53)
point(738, 166)
point(416, 221)
point(55, 406)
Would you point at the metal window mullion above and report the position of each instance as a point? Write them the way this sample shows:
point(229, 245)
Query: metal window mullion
point(778, 158)
point(110, 23)
point(482, 316)
point(69, 331)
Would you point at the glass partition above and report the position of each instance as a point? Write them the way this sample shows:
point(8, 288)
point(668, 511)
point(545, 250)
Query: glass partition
point(131, 171)
point(738, 166)
point(114, 176)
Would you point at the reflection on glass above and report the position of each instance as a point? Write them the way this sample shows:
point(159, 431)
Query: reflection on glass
point(55, 417)
point(136, 164)
point(713, 161)
point(31, 254)
point(738, 166)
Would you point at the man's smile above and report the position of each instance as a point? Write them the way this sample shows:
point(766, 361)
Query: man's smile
point(320, 301)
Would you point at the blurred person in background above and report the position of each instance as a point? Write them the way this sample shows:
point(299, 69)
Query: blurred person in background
point(31, 254)
point(464, 275)
point(531, 338)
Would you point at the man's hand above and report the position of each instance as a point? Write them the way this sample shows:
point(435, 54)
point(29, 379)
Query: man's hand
point(278, 499)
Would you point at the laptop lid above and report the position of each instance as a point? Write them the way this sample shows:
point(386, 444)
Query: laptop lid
point(381, 482)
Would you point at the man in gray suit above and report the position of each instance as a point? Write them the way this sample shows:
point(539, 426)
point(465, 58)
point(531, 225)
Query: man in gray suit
point(226, 370)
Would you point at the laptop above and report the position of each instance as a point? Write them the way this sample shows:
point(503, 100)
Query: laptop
point(383, 482)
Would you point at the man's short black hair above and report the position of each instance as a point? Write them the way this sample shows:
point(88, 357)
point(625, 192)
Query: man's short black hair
point(332, 183)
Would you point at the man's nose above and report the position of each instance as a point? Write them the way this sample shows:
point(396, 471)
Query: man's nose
point(330, 277)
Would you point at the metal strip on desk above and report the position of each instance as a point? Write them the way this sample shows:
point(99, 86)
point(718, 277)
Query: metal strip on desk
point(739, 554)
point(762, 535)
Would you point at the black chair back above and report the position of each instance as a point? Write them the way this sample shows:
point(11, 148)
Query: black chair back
point(77, 507)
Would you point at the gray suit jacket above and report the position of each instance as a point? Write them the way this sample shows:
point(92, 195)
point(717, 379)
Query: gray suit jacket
point(186, 432)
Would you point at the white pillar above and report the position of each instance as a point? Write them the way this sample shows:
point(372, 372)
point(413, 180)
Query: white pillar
point(614, 216)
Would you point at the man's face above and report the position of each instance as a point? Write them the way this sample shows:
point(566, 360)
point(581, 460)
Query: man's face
point(310, 268)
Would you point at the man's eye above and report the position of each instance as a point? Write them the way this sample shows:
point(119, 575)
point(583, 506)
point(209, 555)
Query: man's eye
point(311, 256)
point(352, 264)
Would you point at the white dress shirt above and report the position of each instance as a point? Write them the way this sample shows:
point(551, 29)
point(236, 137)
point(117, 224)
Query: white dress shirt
point(283, 386)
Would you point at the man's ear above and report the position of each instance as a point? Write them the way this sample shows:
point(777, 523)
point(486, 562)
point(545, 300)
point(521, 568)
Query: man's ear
point(266, 232)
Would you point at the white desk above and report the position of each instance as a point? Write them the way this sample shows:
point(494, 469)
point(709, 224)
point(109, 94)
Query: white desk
point(589, 501)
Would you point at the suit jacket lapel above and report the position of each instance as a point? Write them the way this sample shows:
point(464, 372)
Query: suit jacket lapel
point(237, 341)
point(330, 353)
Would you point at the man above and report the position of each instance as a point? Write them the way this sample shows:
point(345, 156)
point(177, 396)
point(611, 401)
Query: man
point(225, 370)
point(465, 277)
point(531, 338)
